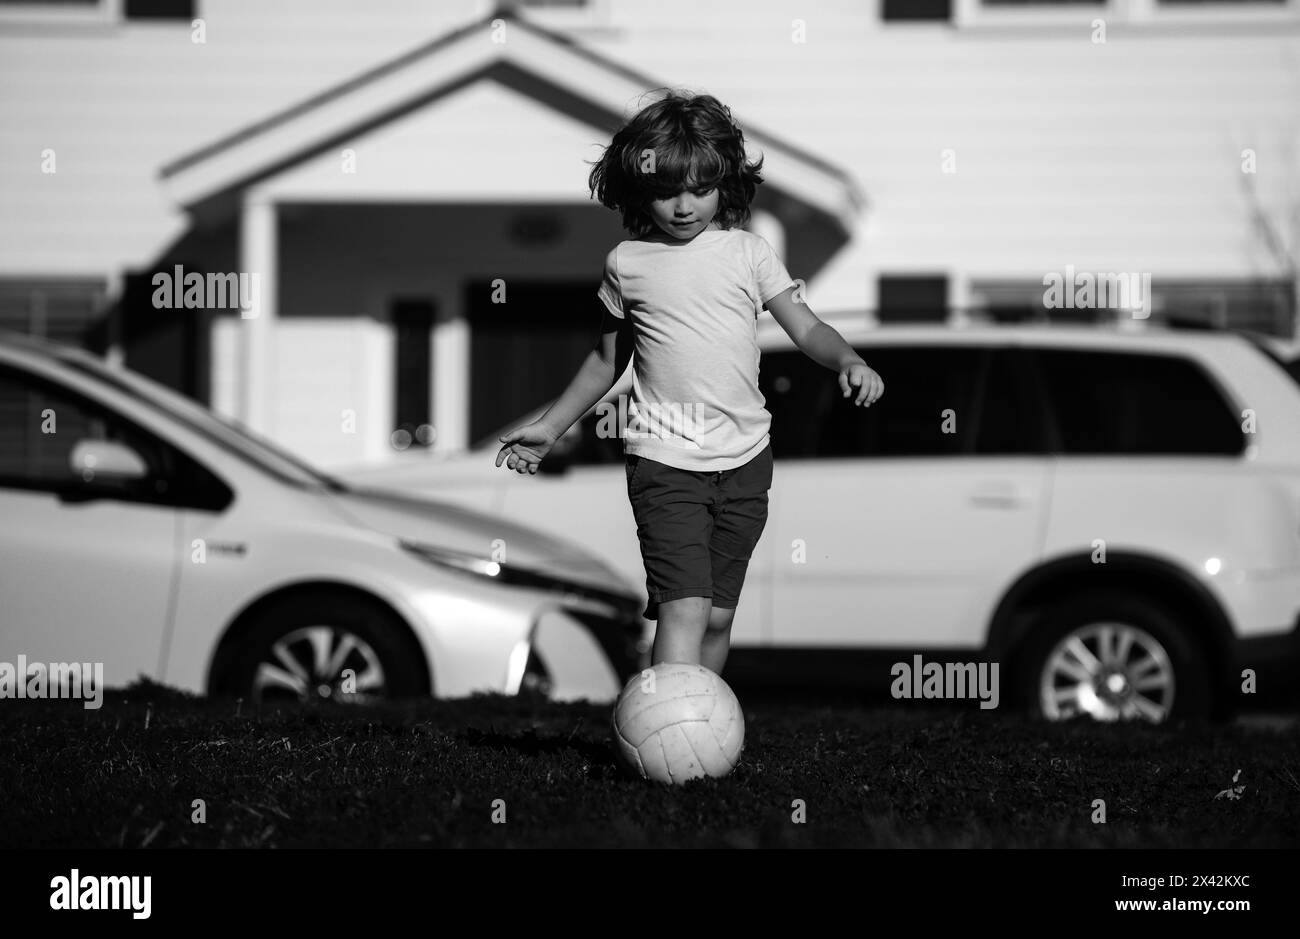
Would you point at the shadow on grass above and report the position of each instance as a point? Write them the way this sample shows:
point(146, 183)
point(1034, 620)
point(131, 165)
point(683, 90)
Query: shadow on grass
point(529, 743)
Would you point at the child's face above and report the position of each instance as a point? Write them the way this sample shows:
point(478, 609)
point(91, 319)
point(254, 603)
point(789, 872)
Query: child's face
point(693, 207)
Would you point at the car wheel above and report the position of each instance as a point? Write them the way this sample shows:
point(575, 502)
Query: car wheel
point(1112, 656)
point(326, 648)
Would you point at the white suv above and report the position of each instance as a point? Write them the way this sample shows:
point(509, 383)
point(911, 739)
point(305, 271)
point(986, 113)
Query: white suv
point(1112, 515)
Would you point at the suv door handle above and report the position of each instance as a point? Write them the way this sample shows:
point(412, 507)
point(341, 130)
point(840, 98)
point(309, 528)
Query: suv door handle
point(999, 494)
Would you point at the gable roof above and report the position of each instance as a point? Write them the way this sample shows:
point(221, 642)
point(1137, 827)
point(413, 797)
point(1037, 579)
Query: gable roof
point(551, 67)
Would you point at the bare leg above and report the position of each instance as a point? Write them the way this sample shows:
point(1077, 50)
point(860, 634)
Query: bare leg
point(680, 630)
point(717, 639)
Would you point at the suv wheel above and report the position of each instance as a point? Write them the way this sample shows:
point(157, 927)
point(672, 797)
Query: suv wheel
point(326, 649)
point(1112, 656)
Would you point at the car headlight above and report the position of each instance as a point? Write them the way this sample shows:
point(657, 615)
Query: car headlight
point(460, 560)
point(518, 576)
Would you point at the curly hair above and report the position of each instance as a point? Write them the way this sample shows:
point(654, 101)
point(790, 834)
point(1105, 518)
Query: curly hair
point(695, 144)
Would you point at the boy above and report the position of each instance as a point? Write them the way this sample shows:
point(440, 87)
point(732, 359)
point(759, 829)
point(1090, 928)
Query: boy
point(682, 299)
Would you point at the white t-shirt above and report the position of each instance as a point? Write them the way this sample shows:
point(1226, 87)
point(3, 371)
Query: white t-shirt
point(695, 402)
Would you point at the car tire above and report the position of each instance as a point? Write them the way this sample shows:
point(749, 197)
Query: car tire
point(301, 648)
point(1112, 655)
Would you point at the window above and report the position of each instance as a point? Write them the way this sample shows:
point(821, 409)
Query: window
point(73, 5)
point(60, 311)
point(911, 299)
point(161, 9)
point(1034, 12)
point(1007, 301)
point(812, 419)
point(91, 12)
point(901, 11)
point(1012, 421)
point(1077, 13)
point(41, 424)
point(1024, 301)
point(1264, 306)
point(1135, 403)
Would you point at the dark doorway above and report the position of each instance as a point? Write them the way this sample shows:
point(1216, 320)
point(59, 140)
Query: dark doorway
point(525, 351)
point(412, 369)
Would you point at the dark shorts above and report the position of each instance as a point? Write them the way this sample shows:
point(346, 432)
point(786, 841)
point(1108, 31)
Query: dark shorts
point(697, 529)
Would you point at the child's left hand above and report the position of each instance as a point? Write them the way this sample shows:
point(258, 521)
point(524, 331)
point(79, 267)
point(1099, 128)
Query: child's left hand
point(869, 384)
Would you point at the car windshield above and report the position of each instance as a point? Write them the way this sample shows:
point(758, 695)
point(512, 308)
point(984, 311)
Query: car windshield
point(229, 435)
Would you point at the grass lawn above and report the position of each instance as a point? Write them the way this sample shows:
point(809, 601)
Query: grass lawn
point(430, 774)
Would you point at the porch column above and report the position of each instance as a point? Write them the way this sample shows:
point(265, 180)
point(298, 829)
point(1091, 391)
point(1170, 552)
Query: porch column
point(959, 300)
point(257, 258)
point(450, 391)
point(772, 230)
point(115, 351)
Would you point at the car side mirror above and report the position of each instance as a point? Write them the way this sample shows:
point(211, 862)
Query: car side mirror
point(106, 458)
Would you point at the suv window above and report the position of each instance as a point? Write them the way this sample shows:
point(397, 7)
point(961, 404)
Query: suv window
point(40, 423)
point(812, 418)
point(1135, 403)
point(1012, 420)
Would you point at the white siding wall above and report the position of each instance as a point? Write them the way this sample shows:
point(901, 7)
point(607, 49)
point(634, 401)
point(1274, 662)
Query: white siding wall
point(116, 103)
point(1117, 155)
point(324, 369)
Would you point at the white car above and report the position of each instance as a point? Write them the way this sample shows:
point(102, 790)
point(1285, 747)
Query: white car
point(141, 532)
point(1112, 515)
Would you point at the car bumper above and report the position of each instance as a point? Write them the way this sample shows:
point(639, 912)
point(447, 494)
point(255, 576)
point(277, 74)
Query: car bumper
point(1274, 664)
point(483, 637)
point(583, 650)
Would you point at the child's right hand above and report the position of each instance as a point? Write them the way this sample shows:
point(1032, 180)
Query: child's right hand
point(525, 447)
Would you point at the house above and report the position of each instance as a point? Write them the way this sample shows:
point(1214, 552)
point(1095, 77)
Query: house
point(307, 215)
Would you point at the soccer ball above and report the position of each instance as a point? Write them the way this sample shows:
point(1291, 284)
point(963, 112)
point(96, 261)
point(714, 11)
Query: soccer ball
point(675, 722)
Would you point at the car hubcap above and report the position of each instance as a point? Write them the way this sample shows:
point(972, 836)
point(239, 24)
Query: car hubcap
point(321, 663)
point(1109, 671)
